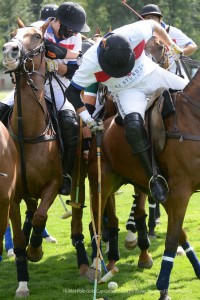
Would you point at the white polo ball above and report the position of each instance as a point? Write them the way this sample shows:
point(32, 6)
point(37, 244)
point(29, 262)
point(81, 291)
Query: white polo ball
point(112, 285)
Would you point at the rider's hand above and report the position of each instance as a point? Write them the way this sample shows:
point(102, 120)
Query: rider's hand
point(52, 65)
point(175, 51)
point(95, 125)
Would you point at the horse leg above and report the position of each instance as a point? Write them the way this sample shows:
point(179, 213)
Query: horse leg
point(130, 241)
point(19, 250)
point(113, 253)
point(27, 226)
point(145, 260)
point(34, 250)
point(190, 253)
point(152, 218)
point(4, 207)
point(76, 222)
point(175, 207)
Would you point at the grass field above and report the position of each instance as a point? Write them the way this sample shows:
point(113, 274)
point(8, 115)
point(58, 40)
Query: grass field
point(56, 275)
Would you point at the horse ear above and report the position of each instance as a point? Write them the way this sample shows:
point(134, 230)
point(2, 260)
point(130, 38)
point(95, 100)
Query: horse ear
point(110, 29)
point(98, 31)
point(20, 23)
point(43, 28)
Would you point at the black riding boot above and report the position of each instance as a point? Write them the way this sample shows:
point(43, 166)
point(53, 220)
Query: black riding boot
point(70, 134)
point(138, 139)
point(4, 111)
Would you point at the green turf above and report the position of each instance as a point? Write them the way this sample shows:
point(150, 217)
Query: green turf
point(56, 276)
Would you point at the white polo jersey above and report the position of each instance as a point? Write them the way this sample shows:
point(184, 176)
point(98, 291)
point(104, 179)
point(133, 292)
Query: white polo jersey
point(90, 71)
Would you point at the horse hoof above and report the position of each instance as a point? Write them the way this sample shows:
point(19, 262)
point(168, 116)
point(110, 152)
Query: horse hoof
point(151, 235)
point(180, 251)
point(34, 254)
point(145, 264)
point(164, 295)
point(22, 291)
point(22, 294)
point(110, 266)
point(90, 275)
point(83, 270)
point(131, 241)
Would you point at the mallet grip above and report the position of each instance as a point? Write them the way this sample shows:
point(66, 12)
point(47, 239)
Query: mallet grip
point(109, 275)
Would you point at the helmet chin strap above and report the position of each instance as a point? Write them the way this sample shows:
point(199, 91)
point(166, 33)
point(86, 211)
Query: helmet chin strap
point(64, 31)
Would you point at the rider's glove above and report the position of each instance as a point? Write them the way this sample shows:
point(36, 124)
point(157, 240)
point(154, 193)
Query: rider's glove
point(175, 51)
point(52, 65)
point(54, 51)
point(95, 125)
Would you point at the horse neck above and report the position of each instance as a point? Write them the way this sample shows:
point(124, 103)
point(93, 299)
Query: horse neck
point(192, 89)
point(33, 106)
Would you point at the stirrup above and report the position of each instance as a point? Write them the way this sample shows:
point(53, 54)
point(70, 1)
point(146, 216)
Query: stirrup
point(158, 188)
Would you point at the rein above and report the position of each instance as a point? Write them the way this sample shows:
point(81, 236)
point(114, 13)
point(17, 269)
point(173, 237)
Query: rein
point(175, 133)
point(23, 71)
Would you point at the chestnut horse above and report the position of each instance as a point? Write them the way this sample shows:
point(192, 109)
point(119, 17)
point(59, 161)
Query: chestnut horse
point(157, 50)
point(39, 174)
point(8, 170)
point(179, 162)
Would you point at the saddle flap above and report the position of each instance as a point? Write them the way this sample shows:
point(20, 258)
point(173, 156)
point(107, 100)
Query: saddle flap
point(156, 127)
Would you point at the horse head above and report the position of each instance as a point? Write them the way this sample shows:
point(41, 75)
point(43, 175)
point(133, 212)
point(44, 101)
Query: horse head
point(25, 45)
point(157, 51)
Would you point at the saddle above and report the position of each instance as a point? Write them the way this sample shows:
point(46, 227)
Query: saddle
point(158, 109)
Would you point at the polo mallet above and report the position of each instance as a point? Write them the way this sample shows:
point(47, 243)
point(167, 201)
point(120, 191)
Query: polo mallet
point(95, 236)
point(135, 12)
point(76, 204)
point(111, 273)
point(98, 143)
point(67, 213)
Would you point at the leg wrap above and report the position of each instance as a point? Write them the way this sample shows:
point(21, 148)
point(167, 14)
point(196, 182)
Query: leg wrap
point(157, 212)
point(81, 253)
point(8, 238)
point(152, 211)
point(113, 253)
point(36, 237)
point(130, 224)
point(94, 247)
point(165, 271)
point(143, 239)
point(28, 225)
point(21, 265)
point(136, 133)
point(192, 258)
point(105, 233)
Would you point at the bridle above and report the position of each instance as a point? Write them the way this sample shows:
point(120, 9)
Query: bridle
point(26, 65)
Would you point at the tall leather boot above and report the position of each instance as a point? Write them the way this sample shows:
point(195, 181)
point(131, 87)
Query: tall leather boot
point(138, 139)
point(70, 134)
point(4, 111)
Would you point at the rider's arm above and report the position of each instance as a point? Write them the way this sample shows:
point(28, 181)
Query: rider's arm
point(55, 51)
point(161, 33)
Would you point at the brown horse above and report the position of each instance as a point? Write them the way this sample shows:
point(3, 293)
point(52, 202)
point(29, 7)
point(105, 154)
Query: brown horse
point(8, 168)
point(145, 261)
point(179, 162)
point(39, 174)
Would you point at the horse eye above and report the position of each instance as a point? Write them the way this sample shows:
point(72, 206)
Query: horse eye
point(38, 36)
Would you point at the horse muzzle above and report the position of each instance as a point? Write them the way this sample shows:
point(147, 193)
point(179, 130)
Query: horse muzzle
point(11, 55)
